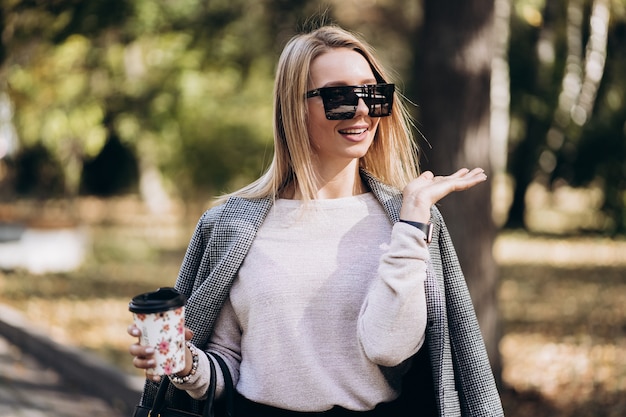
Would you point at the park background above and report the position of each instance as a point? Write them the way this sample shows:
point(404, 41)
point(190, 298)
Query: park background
point(120, 120)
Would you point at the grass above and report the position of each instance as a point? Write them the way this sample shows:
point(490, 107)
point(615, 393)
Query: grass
point(561, 301)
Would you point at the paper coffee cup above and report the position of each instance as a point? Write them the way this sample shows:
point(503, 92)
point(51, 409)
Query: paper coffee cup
point(160, 316)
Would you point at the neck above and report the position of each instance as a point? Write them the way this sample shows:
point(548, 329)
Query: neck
point(338, 183)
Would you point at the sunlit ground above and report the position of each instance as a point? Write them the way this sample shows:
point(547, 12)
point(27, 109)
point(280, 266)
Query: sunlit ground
point(563, 305)
point(564, 313)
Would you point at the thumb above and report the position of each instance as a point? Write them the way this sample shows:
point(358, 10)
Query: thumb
point(188, 333)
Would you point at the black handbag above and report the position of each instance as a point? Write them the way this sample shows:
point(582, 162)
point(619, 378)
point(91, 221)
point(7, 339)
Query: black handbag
point(211, 408)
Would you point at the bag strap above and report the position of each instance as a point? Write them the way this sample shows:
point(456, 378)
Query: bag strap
point(160, 404)
point(229, 389)
point(208, 405)
point(159, 399)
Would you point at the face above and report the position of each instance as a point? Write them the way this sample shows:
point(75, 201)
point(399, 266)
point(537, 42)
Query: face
point(340, 141)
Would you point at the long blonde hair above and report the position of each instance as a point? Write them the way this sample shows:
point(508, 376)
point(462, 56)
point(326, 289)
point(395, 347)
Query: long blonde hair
point(392, 157)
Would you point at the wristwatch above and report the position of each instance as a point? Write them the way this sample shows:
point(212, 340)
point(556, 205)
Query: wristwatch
point(427, 228)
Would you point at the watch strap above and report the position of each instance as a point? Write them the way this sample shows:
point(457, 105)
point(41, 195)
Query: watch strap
point(427, 228)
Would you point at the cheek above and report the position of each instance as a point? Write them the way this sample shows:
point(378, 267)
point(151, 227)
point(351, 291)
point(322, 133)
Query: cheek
point(318, 127)
point(316, 135)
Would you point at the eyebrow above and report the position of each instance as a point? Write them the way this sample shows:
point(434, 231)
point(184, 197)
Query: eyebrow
point(369, 81)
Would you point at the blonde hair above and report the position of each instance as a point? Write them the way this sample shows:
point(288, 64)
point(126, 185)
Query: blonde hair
point(392, 157)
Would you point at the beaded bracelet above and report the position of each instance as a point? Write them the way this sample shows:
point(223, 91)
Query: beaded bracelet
point(194, 366)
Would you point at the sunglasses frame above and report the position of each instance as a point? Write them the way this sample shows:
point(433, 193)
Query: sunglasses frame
point(377, 97)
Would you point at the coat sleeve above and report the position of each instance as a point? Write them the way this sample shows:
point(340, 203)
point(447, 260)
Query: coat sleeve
point(475, 381)
point(189, 274)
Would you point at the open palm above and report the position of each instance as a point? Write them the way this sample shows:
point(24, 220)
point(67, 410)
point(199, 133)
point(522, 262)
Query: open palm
point(420, 194)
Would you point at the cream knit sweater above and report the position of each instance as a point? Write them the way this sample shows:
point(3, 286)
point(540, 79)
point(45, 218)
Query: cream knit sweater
point(326, 307)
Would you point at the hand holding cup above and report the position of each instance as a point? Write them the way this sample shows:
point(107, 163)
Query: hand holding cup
point(144, 355)
point(159, 323)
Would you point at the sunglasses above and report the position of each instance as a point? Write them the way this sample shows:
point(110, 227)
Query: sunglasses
point(340, 102)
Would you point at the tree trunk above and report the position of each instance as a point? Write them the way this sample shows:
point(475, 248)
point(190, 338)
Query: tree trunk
point(453, 68)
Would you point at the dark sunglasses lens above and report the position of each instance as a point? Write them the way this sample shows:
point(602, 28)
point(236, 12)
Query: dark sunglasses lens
point(379, 99)
point(340, 103)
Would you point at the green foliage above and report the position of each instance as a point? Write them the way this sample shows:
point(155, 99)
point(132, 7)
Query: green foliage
point(164, 77)
point(186, 86)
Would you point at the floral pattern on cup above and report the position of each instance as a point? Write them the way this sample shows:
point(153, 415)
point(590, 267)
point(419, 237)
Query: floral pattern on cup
point(165, 332)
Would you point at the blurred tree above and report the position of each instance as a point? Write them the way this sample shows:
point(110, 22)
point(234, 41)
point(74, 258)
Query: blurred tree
point(46, 60)
point(188, 72)
point(453, 82)
point(562, 101)
point(599, 155)
point(37, 174)
point(537, 57)
point(167, 77)
point(113, 171)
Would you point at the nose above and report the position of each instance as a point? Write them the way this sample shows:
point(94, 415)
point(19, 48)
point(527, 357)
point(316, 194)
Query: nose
point(362, 109)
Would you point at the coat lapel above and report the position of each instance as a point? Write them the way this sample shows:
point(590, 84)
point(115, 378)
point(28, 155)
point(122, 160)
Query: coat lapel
point(229, 244)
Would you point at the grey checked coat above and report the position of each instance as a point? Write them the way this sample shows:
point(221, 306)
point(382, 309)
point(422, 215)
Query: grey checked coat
point(459, 376)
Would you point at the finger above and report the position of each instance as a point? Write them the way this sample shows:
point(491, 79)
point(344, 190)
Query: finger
point(137, 350)
point(459, 173)
point(427, 175)
point(155, 378)
point(143, 358)
point(461, 180)
point(422, 180)
point(134, 331)
point(476, 172)
point(188, 333)
point(144, 363)
point(464, 174)
point(467, 182)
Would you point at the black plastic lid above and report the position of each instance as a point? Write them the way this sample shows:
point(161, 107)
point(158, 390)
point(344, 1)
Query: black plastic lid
point(163, 299)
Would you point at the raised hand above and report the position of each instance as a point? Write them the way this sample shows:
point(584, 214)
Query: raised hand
point(420, 194)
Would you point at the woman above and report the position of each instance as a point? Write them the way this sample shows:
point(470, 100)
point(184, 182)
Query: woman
point(324, 287)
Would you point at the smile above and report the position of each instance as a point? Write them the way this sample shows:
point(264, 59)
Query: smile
point(352, 131)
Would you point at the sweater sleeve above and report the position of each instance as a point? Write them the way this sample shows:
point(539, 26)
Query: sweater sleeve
point(226, 342)
point(392, 321)
point(198, 384)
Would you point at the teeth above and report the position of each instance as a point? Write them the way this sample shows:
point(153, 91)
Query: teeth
point(353, 131)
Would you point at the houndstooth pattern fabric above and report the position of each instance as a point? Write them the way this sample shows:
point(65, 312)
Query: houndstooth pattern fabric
point(462, 376)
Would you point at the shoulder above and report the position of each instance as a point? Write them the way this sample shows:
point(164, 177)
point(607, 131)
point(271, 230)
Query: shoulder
point(235, 211)
point(207, 221)
point(212, 214)
point(233, 207)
